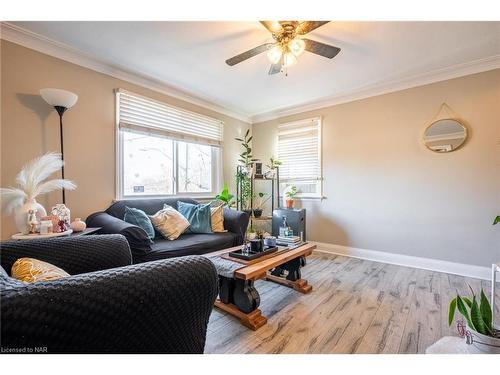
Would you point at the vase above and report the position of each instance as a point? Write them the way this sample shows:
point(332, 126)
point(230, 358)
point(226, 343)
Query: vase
point(483, 343)
point(21, 214)
point(62, 212)
point(78, 225)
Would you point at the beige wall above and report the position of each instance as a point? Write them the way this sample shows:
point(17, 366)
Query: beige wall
point(29, 127)
point(385, 191)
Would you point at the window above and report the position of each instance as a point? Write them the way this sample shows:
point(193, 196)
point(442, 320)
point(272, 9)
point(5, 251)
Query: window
point(163, 150)
point(299, 150)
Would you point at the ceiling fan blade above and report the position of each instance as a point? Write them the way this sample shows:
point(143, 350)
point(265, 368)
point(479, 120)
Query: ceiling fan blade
point(321, 49)
point(247, 54)
point(274, 69)
point(307, 26)
point(272, 26)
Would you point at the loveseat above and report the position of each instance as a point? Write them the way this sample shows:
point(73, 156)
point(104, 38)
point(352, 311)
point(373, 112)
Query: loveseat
point(107, 305)
point(144, 250)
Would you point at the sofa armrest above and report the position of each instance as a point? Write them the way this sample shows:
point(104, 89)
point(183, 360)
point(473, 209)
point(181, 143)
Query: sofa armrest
point(137, 238)
point(154, 307)
point(236, 222)
point(73, 254)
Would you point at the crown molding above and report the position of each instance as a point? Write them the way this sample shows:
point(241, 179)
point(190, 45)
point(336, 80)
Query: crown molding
point(381, 88)
point(37, 42)
point(29, 39)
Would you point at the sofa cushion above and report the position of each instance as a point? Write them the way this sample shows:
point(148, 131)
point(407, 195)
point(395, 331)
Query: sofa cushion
point(217, 219)
point(189, 244)
point(198, 215)
point(169, 222)
point(139, 218)
point(31, 270)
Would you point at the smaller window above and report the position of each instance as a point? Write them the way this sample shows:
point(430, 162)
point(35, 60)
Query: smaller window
point(299, 150)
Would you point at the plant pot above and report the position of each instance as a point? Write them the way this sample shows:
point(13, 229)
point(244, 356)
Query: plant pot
point(257, 213)
point(289, 203)
point(21, 214)
point(484, 344)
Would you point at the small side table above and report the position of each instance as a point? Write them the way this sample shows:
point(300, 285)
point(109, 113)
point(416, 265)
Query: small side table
point(85, 232)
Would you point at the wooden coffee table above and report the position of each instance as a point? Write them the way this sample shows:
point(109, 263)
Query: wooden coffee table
point(238, 295)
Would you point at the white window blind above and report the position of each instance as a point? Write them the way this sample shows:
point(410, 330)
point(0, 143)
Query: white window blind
point(140, 114)
point(299, 150)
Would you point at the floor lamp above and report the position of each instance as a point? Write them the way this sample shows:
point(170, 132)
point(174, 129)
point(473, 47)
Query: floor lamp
point(61, 100)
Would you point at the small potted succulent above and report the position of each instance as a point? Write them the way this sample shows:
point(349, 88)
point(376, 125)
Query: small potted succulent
point(480, 329)
point(290, 194)
point(259, 204)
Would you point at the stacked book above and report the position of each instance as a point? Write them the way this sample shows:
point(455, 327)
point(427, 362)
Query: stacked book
point(288, 241)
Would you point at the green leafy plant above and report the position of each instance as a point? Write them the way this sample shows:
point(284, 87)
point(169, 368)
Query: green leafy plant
point(291, 192)
point(246, 158)
point(226, 197)
point(478, 315)
point(497, 220)
point(273, 163)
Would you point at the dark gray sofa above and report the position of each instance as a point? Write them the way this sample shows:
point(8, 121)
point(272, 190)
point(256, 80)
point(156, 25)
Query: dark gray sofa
point(144, 250)
point(107, 305)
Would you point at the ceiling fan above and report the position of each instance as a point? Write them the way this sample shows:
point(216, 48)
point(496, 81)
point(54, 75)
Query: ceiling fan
point(288, 45)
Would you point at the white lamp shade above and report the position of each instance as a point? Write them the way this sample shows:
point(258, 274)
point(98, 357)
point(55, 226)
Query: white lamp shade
point(59, 98)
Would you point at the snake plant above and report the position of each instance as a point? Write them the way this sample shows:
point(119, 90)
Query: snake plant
point(478, 315)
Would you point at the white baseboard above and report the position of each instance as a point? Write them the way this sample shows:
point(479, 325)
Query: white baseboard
point(461, 269)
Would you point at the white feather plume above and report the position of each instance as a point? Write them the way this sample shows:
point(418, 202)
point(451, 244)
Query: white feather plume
point(48, 186)
point(11, 198)
point(31, 181)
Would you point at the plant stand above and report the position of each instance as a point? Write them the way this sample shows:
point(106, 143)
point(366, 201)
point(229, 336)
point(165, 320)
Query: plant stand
point(275, 194)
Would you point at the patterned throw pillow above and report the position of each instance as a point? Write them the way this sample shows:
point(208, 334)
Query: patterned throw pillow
point(139, 218)
point(169, 222)
point(30, 270)
point(198, 215)
point(217, 219)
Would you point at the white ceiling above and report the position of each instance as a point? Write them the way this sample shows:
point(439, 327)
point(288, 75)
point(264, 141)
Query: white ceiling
point(190, 56)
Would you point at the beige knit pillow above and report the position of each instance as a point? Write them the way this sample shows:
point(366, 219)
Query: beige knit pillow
point(169, 222)
point(217, 219)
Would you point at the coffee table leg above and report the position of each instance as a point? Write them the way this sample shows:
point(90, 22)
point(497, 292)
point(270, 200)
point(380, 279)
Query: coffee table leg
point(293, 279)
point(240, 299)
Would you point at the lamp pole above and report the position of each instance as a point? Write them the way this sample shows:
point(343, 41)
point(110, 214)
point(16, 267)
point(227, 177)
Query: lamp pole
point(61, 100)
point(60, 110)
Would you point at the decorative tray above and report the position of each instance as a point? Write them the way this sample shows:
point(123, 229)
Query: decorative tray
point(21, 236)
point(252, 254)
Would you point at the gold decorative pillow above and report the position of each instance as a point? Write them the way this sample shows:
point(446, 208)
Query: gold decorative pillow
point(31, 270)
point(169, 222)
point(217, 219)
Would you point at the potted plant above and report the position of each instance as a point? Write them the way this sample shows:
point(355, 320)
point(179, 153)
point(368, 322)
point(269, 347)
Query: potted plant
point(273, 164)
point(290, 194)
point(244, 174)
point(226, 197)
point(479, 321)
point(259, 204)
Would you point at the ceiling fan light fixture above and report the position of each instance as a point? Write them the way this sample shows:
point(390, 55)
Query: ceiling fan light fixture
point(274, 54)
point(289, 59)
point(297, 46)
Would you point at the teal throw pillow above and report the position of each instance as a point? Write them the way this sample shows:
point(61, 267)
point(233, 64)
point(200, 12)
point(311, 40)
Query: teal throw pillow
point(139, 218)
point(198, 215)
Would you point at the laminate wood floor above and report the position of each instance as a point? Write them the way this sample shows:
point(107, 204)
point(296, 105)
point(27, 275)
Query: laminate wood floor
point(356, 306)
